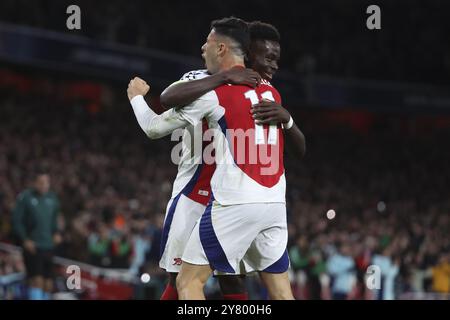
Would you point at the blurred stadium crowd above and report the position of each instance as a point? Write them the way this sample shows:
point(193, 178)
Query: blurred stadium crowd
point(385, 175)
point(318, 37)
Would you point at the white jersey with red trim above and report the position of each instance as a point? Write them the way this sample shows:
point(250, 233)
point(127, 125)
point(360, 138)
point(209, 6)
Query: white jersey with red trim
point(193, 177)
point(249, 157)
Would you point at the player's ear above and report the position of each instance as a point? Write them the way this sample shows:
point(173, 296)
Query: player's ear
point(221, 49)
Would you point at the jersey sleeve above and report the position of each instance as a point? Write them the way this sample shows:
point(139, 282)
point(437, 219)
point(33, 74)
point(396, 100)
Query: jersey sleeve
point(200, 108)
point(156, 126)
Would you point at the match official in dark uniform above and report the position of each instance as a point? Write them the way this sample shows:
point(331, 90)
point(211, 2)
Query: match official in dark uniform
point(35, 226)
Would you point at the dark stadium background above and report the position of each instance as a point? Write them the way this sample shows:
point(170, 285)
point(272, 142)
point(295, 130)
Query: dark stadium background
point(374, 106)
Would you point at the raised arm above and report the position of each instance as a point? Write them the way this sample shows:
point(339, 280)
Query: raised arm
point(184, 92)
point(154, 125)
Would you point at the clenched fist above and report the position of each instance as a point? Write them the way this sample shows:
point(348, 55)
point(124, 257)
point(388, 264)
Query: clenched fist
point(136, 87)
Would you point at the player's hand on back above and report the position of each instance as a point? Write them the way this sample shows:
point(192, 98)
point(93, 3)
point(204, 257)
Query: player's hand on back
point(242, 76)
point(136, 87)
point(269, 112)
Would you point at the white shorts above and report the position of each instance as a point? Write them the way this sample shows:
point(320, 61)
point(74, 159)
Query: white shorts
point(182, 215)
point(228, 237)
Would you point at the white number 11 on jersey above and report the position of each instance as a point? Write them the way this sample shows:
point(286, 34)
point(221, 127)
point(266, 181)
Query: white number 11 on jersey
point(259, 130)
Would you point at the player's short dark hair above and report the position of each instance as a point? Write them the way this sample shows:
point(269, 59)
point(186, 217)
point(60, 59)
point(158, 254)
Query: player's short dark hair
point(234, 28)
point(263, 31)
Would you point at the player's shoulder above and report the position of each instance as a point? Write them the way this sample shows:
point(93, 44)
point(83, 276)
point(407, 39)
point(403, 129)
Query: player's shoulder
point(265, 85)
point(195, 75)
point(206, 101)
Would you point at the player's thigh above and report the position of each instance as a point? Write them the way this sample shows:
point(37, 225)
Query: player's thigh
point(278, 285)
point(191, 274)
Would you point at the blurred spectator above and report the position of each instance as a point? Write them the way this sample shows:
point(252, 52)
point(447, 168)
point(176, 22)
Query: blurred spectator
point(341, 267)
point(141, 242)
point(100, 247)
point(441, 275)
point(389, 270)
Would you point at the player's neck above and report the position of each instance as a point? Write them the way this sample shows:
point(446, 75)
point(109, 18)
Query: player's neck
point(232, 61)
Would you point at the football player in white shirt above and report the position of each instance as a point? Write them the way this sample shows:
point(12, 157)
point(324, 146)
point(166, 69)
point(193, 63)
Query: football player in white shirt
point(191, 188)
point(224, 185)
